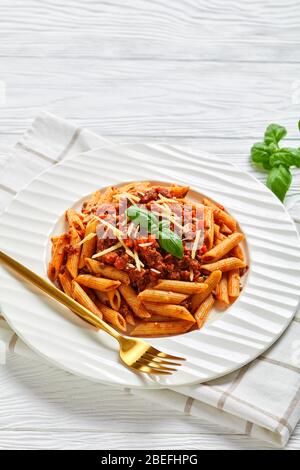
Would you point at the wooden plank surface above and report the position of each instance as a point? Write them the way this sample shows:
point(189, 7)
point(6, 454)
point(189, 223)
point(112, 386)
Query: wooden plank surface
point(209, 75)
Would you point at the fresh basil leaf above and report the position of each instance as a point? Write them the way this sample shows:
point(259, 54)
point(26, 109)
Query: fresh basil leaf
point(168, 239)
point(164, 225)
point(286, 156)
point(260, 154)
point(171, 242)
point(143, 217)
point(279, 181)
point(299, 125)
point(274, 133)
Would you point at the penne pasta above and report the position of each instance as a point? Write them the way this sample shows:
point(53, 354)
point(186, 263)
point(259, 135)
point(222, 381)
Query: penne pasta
point(82, 298)
point(112, 316)
point(224, 265)
point(222, 290)
point(54, 240)
point(133, 301)
point(91, 204)
point(216, 232)
point(114, 299)
point(107, 196)
point(237, 252)
point(74, 253)
point(224, 229)
point(209, 227)
point(203, 310)
point(183, 287)
point(212, 281)
point(74, 219)
point(107, 271)
point(159, 318)
point(161, 328)
point(130, 319)
point(133, 278)
point(59, 250)
point(139, 187)
point(179, 191)
point(98, 283)
point(66, 282)
point(220, 215)
point(233, 283)
point(220, 238)
point(169, 310)
point(220, 250)
point(89, 246)
point(165, 297)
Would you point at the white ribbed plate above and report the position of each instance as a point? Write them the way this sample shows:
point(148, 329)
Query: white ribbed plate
point(263, 311)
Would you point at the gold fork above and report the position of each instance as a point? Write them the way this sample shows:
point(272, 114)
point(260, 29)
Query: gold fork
point(134, 353)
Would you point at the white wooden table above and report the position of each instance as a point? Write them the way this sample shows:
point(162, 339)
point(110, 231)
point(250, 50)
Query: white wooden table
point(208, 74)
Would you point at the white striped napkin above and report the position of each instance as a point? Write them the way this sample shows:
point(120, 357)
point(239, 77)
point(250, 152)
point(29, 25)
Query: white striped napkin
point(262, 399)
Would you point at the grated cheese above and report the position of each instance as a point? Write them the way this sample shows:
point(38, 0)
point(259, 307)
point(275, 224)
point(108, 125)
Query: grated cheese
point(130, 228)
point(146, 244)
point(131, 197)
point(128, 251)
point(155, 271)
point(195, 245)
point(166, 199)
point(191, 275)
point(187, 227)
point(115, 230)
point(168, 215)
point(119, 236)
point(138, 262)
point(108, 250)
point(136, 231)
point(87, 238)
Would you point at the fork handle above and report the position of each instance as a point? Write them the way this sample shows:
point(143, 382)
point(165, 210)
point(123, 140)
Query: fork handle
point(58, 295)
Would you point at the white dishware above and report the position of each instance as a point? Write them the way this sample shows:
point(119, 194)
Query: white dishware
point(245, 330)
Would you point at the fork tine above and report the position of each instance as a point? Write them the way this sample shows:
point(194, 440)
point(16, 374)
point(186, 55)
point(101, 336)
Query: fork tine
point(158, 360)
point(158, 353)
point(150, 370)
point(154, 365)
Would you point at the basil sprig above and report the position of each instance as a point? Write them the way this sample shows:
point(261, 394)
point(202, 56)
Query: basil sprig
point(168, 240)
point(143, 218)
point(279, 180)
point(276, 160)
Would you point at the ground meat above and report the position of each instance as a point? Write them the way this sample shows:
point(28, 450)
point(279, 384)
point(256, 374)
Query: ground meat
point(104, 243)
point(166, 265)
point(121, 261)
point(150, 195)
point(197, 275)
point(143, 279)
point(105, 209)
point(187, 263)
point(175, 276)
point(185, 275)
point(164, 192)
point(135, 275)
point(110, 258)
point(152, 258)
